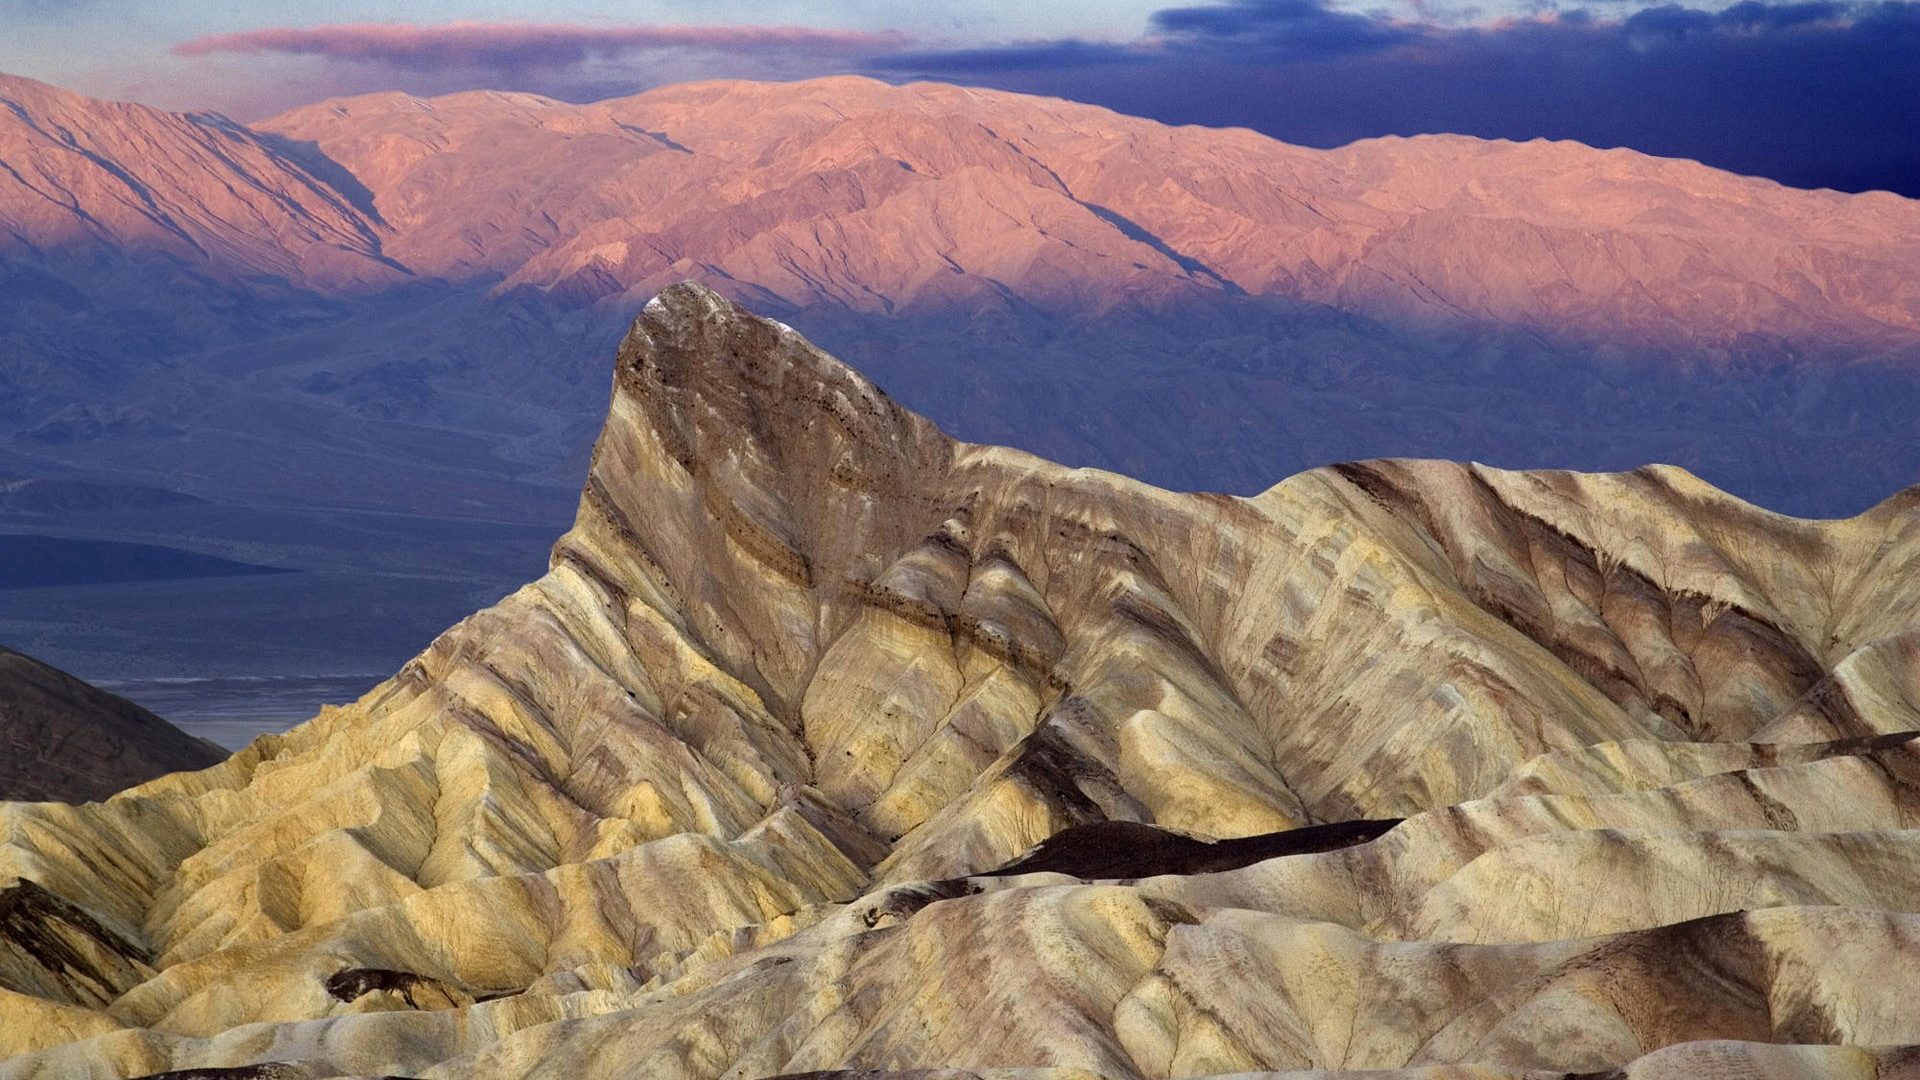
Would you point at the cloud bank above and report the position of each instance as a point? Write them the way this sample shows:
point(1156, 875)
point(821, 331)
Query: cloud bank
point(480, 44)
point(1810, 93)
point(568, 61)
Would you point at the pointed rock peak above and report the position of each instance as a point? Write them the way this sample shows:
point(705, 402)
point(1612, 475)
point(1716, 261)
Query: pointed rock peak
point(708, 370)
point(790, 444)
point(740, 470)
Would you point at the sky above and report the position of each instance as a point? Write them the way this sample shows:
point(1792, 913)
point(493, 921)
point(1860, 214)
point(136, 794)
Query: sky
point(1814, 93)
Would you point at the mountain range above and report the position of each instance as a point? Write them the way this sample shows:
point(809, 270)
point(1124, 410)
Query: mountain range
point(362, 340)
point(831, 746)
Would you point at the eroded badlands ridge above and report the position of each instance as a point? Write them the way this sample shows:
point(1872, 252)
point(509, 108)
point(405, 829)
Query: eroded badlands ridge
point(724, 792)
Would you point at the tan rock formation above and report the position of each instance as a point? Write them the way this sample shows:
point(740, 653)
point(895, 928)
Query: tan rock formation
point(725, 793)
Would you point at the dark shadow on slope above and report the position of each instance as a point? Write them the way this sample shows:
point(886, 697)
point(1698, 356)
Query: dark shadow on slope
point(310, 158)
point(62, 953)
point(265, 1071)
point(1132, 230)
point(1110, 850)
point(655, 136)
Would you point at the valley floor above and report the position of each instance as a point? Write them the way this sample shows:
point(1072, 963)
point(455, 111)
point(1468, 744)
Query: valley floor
point(233, 711)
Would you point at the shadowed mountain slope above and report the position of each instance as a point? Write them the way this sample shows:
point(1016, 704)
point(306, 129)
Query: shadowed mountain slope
point(126, 231)
point(723, 794)
point(64, 740)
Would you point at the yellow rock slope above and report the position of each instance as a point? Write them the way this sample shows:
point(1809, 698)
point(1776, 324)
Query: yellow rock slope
point(755, 781)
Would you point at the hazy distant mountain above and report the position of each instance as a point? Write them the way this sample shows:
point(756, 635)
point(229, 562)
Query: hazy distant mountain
point(197, 192)
point(831, 743)
point(64, 740)
point(365, 335)
point(127, 233)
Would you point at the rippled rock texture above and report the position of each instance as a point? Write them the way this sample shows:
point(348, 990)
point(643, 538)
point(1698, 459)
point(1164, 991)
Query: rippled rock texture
point(832, 746)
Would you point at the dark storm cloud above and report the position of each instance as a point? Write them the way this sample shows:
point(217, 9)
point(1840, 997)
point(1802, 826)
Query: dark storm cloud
point(1812, 94)
point(1283, 28)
